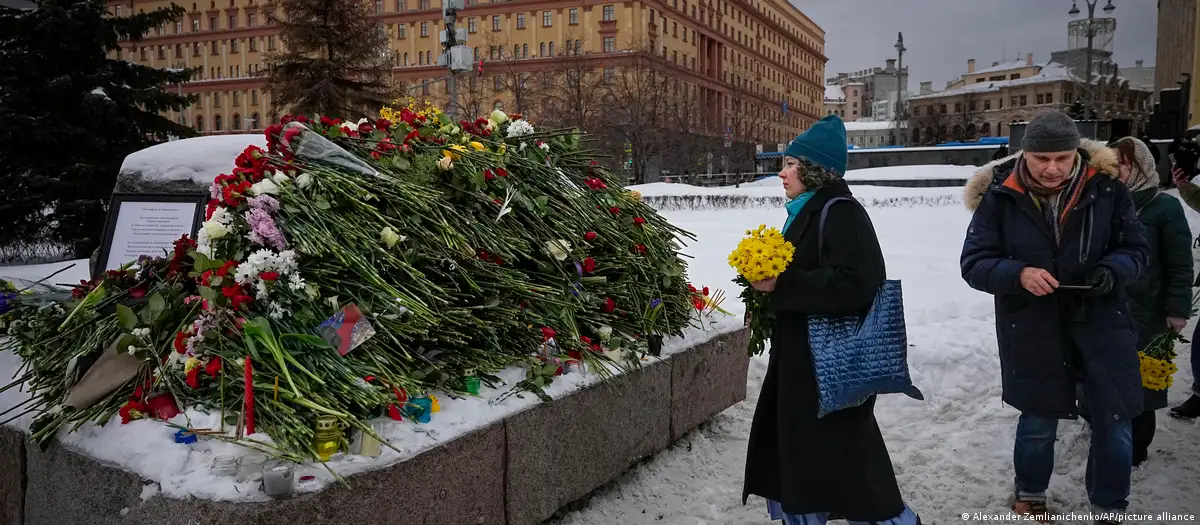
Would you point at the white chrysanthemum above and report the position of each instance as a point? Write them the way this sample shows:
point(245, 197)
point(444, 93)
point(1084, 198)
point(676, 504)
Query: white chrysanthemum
point(520, 128)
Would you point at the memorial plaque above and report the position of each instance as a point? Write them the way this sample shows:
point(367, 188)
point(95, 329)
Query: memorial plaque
point(147, 224)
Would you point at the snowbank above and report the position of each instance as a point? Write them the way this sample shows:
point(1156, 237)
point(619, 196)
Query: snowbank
point(197, 160)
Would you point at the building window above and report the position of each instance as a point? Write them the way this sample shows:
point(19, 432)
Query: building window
point(573, 16)
point(162, 52)
point(400, 30)
point(608, 75)
point(1049, 98)
point(212, 23)
point(495, 22)
point(609, 13)
point(253, 43)
point(195, 49)
point(547, 18)
point(958, 107)
point(1041, 99)
point(987, 105)
point(405, 63)
point(254, 100)
point(425, 87)
point(551, 48)
point(421, 58)
point(424, 29)
point(178, 27)
point(520, 20)
point(610, 44)
point(1014, 101)
point(178, 50)
point(497, 84)
point(237, 122)
point(379, 7)
point(524, 50)
point(214, 49)
point(195, 25)
point(675, 29)
point(1014, 76)
point(941, 109)
point(217, 123)
point(233, 46)
point(424, 4)
point(542, 50)
point(232, 21)
point(270, 42)
point(199, 123)
point(1024, 101)
point(401, 6)
point(237, 98)
point(471, 25)
point(251, 19)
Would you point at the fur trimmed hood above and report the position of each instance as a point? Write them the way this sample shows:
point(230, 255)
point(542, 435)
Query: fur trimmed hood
point(1100, 156)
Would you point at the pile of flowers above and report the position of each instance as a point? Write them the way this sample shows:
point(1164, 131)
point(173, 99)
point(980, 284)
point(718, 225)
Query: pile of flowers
point(351, 266)
point(763, 254)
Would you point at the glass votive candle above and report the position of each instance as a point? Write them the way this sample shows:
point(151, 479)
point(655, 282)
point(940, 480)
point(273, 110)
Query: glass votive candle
point(224, 466)
point(250, 467)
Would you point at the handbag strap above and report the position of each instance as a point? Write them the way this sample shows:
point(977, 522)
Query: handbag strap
point(821, 225)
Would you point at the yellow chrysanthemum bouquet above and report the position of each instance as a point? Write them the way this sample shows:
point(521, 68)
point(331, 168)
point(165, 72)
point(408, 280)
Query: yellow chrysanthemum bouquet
point(763, 254)
point(1158, 358)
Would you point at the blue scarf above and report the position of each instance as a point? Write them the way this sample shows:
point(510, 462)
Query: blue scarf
point(794, 206)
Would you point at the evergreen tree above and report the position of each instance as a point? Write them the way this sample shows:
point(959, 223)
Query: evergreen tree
point(335, 60)
point(72, 109)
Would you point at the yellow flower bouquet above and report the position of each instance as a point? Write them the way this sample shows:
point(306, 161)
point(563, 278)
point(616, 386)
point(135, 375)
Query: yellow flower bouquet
point(763, 254)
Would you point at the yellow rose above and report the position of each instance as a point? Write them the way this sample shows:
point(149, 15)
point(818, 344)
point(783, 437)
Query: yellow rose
point(477, 146)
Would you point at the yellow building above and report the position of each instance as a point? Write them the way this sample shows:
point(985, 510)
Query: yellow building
point(758, 55)
point(1194, 106)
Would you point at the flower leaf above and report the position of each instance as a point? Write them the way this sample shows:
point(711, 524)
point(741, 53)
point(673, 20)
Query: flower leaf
point(401, 163)
point(208, 293)
point(126, 318)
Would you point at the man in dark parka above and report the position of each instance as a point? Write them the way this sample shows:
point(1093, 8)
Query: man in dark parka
point(1047, 222)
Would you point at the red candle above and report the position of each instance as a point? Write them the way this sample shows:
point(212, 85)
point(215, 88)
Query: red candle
point(249, 404)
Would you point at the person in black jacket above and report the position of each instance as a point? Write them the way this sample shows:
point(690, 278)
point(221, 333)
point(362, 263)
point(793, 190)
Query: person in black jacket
point(1161, 299)
point(1054, 237)
point(811, 470)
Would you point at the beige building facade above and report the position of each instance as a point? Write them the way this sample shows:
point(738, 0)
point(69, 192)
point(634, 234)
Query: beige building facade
point(985, 108)
point(1176, 42)
point(756, 55)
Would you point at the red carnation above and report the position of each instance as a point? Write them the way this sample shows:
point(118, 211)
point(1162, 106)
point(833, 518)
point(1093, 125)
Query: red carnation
point(212, 207)
point(706, 291)
point(365, 127)
point(589, 265)
point(412, 135)
point(137, 293)
point(303, 119)
point(614, 210)
point(547, 333)
point(501, 172)
point(586, 340)
point(383, 124)
point(639, 221)
point(487, 175)
point(326, 121)
point(590, 236)
point(609, 305)
point(193, 377)
point(180, 342)
point(213, 367)
point(269, 276)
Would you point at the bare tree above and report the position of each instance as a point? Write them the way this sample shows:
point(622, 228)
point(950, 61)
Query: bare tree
point(508, 71)
point(637, 109)
point(966, 128)
point(933, 122)
point(747, 119)
point(573, 88)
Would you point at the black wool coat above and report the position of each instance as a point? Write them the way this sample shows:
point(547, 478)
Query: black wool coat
point(838, 464)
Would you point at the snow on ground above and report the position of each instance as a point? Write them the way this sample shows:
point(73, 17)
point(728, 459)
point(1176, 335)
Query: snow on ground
point(198, 159)
point(952, 452)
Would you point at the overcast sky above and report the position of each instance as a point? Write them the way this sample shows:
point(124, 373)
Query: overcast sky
point(940, 35)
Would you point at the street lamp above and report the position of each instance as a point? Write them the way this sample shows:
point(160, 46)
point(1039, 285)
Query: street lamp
point(900, 49)
point(1091, 35)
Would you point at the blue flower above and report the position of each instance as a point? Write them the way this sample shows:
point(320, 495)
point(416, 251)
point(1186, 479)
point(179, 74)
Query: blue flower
point(655, 303)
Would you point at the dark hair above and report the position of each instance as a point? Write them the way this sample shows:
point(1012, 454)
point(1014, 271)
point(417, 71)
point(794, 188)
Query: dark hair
point(1126, 151)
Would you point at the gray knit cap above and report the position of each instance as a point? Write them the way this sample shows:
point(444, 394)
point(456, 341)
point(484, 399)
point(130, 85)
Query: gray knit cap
point(1050, 132)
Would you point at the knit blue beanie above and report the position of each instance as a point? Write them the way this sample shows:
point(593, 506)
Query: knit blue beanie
point(824, 144)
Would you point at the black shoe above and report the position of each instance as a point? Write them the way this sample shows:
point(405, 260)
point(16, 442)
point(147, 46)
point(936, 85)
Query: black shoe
point(1139, 457)
point(1190, 409)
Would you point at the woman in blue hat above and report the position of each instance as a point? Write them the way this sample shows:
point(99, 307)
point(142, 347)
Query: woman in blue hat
point(837, 467)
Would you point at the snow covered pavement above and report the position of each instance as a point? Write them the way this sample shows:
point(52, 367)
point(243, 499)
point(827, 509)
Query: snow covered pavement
point(952, 452)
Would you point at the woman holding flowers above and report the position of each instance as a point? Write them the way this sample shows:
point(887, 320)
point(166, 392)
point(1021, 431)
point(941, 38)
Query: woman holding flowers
point(837, 467)
point(1161, 299)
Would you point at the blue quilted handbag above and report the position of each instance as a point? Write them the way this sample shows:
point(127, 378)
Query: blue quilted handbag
point(857, 357)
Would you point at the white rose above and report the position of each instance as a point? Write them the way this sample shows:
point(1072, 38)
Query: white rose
point(558, 249)
point(281, 180)
point(214, 230)
point(303, 180)
point(498, 117)
point(605, 332)
point(390, 237)
point(264, 187)
point(445, 164)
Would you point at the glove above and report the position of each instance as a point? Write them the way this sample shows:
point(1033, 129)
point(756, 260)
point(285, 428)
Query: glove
point(1101, 281)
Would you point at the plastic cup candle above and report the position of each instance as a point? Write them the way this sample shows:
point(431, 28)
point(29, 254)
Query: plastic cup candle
point(471, 382)
point(327, 437)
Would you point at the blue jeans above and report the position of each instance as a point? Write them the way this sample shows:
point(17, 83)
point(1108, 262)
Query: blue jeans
point(1109, 464)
